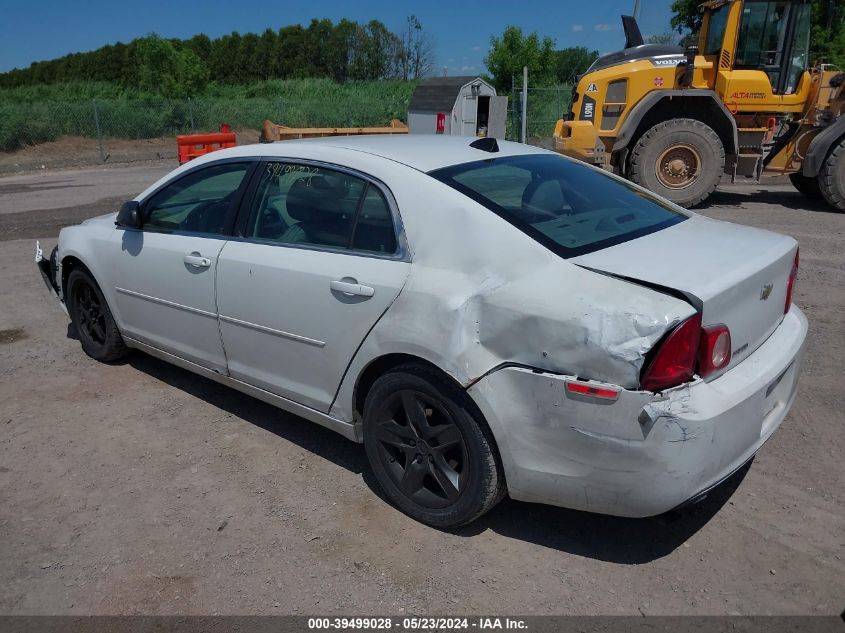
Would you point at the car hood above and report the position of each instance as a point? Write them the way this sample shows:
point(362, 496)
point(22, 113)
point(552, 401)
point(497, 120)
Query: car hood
point(108, 218)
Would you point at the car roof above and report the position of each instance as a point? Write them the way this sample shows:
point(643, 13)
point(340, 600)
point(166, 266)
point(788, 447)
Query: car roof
point(424, 152)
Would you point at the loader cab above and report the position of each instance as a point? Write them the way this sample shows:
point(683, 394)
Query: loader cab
point(760, 47)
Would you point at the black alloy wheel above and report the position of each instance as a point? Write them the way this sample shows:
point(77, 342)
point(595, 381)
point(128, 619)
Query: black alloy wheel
point(429, 447)
point(95, 326)
point(424, 450)
point(89, 312)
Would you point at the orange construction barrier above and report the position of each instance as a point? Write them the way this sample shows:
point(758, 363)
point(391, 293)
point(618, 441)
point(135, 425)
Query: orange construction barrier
point(192, 145)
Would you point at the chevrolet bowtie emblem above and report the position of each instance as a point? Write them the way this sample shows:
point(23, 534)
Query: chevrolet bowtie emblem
point(765, 292)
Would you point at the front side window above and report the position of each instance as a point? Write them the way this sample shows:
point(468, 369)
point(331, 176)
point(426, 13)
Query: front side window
point(716, 30)
point(198, 203)
point(312, 205)
point(568, 207)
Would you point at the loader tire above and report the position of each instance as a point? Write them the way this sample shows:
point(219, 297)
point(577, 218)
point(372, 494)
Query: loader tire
point(832, 177)
point(679, 159)
point(807, 185)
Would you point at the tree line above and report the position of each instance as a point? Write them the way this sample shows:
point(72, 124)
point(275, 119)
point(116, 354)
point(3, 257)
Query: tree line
point(341, 51)
point(515, 49)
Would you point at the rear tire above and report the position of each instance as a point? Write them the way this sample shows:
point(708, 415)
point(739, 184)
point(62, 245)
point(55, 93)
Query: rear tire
point(679, 159)
point(832, 177)
point(431, 452)
point(92, 319)
point(806, 185)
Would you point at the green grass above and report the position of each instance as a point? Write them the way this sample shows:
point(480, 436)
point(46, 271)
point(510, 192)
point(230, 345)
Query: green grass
point(36, 114)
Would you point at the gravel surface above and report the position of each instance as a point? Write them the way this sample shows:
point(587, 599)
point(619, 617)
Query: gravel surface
point(139, 488)
point(78, 152)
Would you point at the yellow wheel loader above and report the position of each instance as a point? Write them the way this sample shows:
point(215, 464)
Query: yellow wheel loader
point(742, 102)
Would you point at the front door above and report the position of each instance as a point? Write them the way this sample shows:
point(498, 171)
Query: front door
point(164, 286)
point(319, 263)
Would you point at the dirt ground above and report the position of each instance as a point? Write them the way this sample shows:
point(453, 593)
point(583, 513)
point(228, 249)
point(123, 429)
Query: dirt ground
point(139, 488)
point(78, 151)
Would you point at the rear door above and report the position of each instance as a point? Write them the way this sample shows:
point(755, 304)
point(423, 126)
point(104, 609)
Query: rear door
point(164, 273)
point(320, 260)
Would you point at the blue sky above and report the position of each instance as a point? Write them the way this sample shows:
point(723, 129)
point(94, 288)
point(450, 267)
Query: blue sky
point(36, 30)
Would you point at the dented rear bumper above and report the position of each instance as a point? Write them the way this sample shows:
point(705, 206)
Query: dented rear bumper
point(644, 453)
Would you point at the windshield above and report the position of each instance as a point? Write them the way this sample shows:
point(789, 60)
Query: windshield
point(567, 206)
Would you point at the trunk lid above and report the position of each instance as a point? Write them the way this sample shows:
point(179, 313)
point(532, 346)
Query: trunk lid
point(733, 274)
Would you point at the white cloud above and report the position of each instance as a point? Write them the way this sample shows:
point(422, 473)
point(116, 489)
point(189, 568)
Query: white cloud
point(476, 48)
point(467, 68)
point(605, 27)
point(577, 27)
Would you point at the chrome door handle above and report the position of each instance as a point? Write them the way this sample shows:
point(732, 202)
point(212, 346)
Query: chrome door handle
point(352, 288)
point(197, 260)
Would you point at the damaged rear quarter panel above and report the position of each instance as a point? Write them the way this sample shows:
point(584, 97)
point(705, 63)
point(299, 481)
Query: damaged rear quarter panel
point(481, 294)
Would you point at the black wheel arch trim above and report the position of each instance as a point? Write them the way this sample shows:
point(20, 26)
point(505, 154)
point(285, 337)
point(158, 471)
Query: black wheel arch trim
point(821, 145)
point(639, 112)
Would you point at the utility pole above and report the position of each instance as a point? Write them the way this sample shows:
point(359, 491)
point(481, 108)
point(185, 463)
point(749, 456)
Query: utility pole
point(524, 104)
point(636, 8)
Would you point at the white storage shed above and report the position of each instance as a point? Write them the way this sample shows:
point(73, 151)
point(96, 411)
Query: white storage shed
point(457, 106)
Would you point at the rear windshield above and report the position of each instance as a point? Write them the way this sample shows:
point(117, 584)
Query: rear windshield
point(566, 206)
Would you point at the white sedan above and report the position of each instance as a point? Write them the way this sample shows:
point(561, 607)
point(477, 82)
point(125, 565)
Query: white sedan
point(487, 318)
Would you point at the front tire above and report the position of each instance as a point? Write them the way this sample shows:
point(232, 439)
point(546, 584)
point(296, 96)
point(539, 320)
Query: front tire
point(806, 185)
point(93, 320)
point(429, 449)
point(679, 159)
point(832, 177)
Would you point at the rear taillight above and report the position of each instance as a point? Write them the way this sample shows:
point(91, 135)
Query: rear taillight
point(714, 349)
point(687, 349)
point(790, 284)
point(674, 361)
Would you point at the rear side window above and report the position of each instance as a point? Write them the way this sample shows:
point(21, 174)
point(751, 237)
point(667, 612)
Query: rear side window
point(312, 205)
point(570, 208)
point(301, 204)
point(374, 231)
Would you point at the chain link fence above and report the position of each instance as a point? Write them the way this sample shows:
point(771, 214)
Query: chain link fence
point(111, 131)
point(545, 106)
point(117, 131)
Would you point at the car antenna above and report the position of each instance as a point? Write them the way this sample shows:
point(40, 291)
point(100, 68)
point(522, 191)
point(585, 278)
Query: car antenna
point(487, 144)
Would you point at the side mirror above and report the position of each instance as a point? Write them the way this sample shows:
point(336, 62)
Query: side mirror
point(129, 215)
